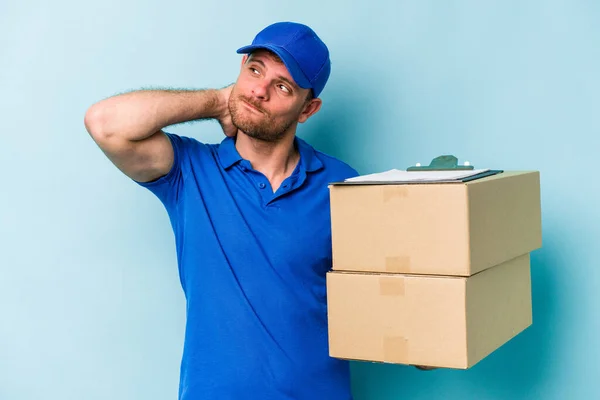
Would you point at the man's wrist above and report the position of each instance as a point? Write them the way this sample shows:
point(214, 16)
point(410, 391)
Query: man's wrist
point(424, 367)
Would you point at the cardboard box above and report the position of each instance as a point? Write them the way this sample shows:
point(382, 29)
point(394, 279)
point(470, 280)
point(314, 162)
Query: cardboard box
point(450, 322)
point(435, 229)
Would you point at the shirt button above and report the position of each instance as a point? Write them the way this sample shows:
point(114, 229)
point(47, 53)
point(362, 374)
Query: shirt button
point(262, 185)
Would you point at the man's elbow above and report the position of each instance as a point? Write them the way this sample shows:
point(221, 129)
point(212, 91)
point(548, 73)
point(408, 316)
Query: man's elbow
point(94, 122)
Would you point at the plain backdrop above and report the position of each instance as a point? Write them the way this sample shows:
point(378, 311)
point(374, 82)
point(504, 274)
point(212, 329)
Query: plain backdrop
point(90, 304)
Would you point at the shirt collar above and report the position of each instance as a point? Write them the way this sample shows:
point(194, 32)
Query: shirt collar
point(228, 154)
point(307, 155)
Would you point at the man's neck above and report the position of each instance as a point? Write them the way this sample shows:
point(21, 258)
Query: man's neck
point(275, 160)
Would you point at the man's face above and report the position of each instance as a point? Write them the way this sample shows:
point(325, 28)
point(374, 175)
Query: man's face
point(265, 103)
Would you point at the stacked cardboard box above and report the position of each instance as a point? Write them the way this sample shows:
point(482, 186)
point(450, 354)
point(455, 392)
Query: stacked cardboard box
point(433, 274)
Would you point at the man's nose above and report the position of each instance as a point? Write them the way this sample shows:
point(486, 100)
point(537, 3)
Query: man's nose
point(261, 90)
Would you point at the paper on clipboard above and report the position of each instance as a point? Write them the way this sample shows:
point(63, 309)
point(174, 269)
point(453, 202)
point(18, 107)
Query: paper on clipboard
point(400, 176)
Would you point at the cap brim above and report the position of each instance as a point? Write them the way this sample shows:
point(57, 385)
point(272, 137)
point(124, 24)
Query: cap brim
point(289, 61)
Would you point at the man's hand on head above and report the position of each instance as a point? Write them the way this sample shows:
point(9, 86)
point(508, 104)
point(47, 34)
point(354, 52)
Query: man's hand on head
point(224, 117)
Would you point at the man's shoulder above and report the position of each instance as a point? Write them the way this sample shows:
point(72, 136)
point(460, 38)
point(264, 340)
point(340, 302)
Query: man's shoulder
point(191, 147)
point(336, 169)
point(335, 164)
point(186, 141)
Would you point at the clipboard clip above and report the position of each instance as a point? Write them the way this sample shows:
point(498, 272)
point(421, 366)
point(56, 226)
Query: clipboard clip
point(442, 163)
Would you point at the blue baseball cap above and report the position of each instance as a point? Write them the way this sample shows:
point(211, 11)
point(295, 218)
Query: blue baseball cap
point(304, 54)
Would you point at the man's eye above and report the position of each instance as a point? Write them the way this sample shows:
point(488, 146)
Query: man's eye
point(254, 71)
point(284, 88)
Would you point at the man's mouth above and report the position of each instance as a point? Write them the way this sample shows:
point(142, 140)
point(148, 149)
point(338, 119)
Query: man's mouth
point(252, 106)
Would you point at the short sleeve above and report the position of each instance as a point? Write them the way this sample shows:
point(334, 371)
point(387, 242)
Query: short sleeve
point(169, 187)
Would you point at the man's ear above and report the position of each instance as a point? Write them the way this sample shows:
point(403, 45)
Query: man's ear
point(244, 59)
point(310, 109)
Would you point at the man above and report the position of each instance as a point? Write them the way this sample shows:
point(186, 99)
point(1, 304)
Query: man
point(250, 217)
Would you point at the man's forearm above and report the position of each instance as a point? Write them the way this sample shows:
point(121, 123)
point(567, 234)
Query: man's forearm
point(138, 115)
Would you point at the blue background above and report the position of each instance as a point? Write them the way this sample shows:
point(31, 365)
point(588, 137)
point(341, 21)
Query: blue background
point(90, 306)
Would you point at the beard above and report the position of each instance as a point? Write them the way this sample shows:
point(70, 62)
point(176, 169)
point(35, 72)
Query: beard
point(267, 129)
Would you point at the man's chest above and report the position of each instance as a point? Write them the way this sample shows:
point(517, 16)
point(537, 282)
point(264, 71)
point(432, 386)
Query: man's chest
point(291, 234)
